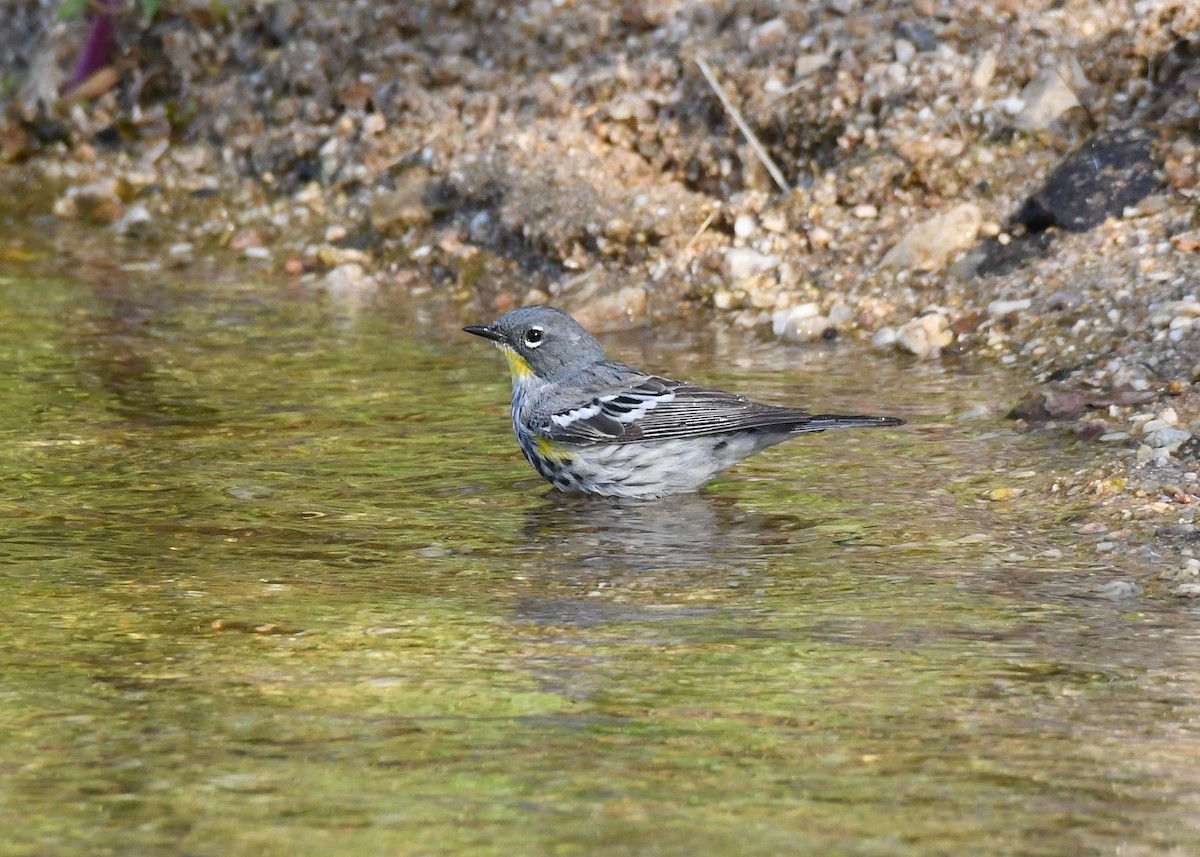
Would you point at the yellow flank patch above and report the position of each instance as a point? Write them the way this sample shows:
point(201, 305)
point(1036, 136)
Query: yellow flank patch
point(517, 365)
point(549, 449)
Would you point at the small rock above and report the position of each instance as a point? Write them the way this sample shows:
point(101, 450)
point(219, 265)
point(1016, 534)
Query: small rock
point(840, 313)
point(984, 71)
point(921, 38)
point(1064, 301)
point(393, 212)
point(1118, 589)
point(620, 310)
point(1188, 590)
point(999, 309)
point(925, 336)
point(743, 262)
point(781, 318)
point(1093, 528)
point(865, 211)
point(134, 218)
point(819, 236)
point(768, 34)
point(99, 202)
point(904, 51)
point(885, 337)
point(1187, 242)
point(810, 63)
point(929, 246)
point(1044, 99)
point(807, 328)
point(349, 279)
point(745, 226)
point(998, 494)
point(1168, 438)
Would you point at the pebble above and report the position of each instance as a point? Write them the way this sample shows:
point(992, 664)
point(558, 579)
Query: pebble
point(925, 336)
point(1118, 589)
point(99, 202)
point(840, 313)
point(999, 309)
point(810, 63)
point(1043, 100)
point(620, 310)
point(742, 262)
point(136, 216)
point(885, 337)
point(780, 319)
point(904, 51)
point(1064, 301)
point(1093, 528)
point(394, 211)
point(930, 245)
point(349, 284)
point(745, 226)
point(808, 329)
point(768, 34)
point(984, 71)
point(1167, 437)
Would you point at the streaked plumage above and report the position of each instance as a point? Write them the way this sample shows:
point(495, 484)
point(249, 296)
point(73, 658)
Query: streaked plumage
point(595, 426)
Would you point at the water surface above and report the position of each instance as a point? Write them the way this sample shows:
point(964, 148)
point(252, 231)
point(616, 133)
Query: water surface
point(277, 581)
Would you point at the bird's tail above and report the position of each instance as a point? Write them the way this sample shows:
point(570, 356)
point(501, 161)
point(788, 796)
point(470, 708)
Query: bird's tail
point(821, 422)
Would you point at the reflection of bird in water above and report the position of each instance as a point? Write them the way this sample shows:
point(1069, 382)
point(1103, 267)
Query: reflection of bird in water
point(690, 532)
point(634, 568)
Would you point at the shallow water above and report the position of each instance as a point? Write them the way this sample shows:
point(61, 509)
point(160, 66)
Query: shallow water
point(277, 581)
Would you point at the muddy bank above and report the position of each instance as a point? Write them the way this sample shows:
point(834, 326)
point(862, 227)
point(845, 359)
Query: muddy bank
point(1014, 181)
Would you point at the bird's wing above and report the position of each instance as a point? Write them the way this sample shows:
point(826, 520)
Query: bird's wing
point(653, 408)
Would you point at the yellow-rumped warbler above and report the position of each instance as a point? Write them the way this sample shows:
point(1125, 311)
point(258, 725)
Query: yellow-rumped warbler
point(595, 426)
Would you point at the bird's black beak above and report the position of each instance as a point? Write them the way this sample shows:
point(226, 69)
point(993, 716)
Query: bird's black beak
point(486, 331)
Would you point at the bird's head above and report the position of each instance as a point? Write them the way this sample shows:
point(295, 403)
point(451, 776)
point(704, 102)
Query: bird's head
point(540, 342)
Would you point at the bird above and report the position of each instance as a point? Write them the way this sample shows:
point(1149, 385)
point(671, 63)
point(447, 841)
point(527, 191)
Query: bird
point(591, 425)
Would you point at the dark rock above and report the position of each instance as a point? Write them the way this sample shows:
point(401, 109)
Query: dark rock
point(1110, 172)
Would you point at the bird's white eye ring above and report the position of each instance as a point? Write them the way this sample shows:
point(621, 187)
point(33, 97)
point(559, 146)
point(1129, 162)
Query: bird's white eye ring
point(534, 337)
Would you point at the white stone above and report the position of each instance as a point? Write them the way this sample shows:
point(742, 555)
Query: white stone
point(743, 262)
point(998, 309)
point(1045, 98)
point(745, 226)
point(930, 245)
point(925, 336)
point(1168, 438)
point(885, 337)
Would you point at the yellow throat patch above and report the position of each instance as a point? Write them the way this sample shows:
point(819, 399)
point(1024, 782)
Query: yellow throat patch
point(517, 365)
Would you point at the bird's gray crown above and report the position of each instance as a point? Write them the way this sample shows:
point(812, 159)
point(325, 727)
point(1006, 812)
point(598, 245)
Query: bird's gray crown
point(547, 338)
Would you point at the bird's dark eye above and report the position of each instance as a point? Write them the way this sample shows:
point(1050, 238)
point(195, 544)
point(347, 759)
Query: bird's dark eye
point(534, 336)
